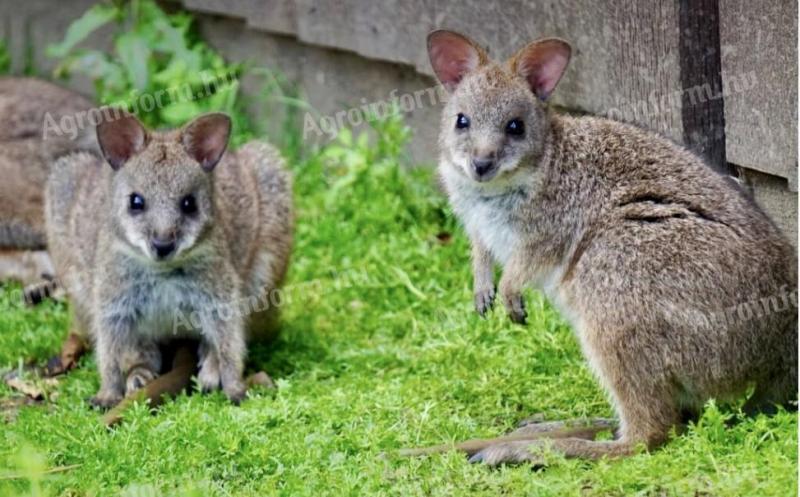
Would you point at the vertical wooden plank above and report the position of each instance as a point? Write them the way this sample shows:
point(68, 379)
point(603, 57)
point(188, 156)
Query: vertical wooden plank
point(642, 40)
point(703, 112)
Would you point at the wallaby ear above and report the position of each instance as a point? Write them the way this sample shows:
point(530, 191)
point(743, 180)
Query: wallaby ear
point(453, 56)
point(120, 139)
point(542, 63)
point(206, 138)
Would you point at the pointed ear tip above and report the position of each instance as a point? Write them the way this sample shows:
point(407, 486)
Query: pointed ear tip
point(445, 33)
point(438, 32)
point(226, 119)
point(217, 118)
point(216, 115)
point(119, 139)
point(433, 36)
point(561, 44)
point(107, 123)
point(105, 126)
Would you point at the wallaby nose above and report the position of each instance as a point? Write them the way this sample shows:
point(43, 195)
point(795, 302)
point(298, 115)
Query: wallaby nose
point(482, 166)
point(163, 248)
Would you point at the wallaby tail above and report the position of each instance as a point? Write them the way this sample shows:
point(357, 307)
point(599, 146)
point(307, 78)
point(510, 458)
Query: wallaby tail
point(171, 383)
point(471, 447)
point(528, 450)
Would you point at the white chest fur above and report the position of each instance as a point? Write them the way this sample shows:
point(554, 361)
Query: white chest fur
point(485, 216)
point(159, 303)
point(158, 309)
point(483, 221)
point(490, 219)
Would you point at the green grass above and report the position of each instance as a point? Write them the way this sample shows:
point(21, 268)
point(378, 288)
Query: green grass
point(380, 350)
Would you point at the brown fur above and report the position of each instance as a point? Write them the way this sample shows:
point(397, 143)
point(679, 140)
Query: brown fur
point(638, 243)
point(25, 156)
point(235, 247)
point(25, 159)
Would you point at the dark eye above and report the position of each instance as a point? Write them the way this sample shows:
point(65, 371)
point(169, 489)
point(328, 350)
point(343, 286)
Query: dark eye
point(136, 203)
point(515, 127)
point(188, 205)
point(462, 121)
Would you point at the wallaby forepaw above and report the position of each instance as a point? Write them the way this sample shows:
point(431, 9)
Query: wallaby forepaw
point(138, 377)
point(508, 453)
point(484, 299)
point(235, 392)
point(105, 399)
point(515, 306)
point(208, 376)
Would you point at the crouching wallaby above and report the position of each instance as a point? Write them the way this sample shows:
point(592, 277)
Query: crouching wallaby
point(171, 238)
point(30, 140)
point(649, 253)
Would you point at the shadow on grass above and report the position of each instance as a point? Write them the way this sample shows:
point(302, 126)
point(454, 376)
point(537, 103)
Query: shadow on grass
point(296, 344)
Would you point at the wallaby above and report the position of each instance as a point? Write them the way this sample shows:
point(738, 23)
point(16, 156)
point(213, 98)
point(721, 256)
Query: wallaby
point(27, 149)
point(171, 238)
point(678, 287)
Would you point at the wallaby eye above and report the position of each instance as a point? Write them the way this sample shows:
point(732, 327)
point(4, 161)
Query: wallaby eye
point(462, 121)
point(189, 205)
point(136, 203)
point(515, 127)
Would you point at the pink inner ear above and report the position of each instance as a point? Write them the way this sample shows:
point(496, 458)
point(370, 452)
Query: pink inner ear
point(543, 67)
point(206, 138)
point(210, 147)
point(120, 139)
point(452, 57)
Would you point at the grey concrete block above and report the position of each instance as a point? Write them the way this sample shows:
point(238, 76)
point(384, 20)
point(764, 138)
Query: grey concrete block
point(275, 16)
point(29, 27)
point(345, 53)
point(332, 81)
point(772, 194)
point(625, 62)
point(759, 52)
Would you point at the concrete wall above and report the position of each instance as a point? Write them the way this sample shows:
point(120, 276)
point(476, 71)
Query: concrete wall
point(626, 63)
point(29, 27)
point(331, 80)
point(760, 39)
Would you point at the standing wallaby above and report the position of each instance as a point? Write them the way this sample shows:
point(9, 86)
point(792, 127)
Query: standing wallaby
point(171, 238)
point(679, 288)
point(27, 150)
